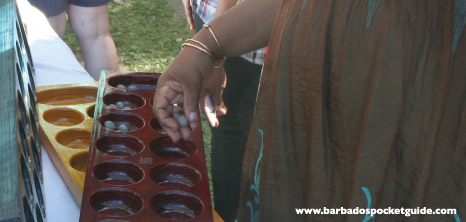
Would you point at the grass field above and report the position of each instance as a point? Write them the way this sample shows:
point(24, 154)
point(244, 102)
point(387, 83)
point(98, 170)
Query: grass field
point(148, 35)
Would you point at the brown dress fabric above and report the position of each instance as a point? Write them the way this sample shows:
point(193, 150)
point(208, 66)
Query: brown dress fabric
point(360, 93)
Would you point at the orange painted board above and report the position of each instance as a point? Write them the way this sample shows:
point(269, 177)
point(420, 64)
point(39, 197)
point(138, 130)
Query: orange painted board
point(65, 118)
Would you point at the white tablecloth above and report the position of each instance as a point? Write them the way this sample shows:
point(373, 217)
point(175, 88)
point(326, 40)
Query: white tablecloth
point(54, 63)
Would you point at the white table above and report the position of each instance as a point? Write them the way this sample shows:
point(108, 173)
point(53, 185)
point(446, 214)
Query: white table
point(54, 63)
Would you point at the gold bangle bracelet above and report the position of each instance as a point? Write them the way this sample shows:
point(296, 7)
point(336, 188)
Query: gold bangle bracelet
point(197, 47)
point(200, 43)
point(216, 40)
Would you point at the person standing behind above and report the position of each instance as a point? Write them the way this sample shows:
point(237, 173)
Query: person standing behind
point(230, 137)
point(89, 21)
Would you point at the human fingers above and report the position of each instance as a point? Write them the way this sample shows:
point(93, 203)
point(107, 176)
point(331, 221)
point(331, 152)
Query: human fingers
point(191, 106)
point(184, 77)
point(219, 81)
point(210, 112)
point(162, 108)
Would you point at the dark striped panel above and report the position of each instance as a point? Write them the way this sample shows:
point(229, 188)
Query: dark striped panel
point(21, 183)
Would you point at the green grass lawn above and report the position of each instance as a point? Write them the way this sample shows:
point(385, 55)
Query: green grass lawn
point(148, 35)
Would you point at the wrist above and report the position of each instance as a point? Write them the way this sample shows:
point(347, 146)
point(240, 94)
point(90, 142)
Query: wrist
point(195, 44)
point(204, 62)
point(209, 38)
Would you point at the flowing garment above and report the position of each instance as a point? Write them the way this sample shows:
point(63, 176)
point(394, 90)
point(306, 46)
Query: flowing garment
point(361, 104)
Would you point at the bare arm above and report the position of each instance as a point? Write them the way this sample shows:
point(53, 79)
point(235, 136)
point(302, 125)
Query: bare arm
point(244, 28)
point(214, 89)
point(223, 6)
point(189, 13)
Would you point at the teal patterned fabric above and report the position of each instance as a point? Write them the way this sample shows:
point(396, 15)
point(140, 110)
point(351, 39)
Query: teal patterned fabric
point(304, 3)
point(460, 21)
point(255, 187)
point(372, 6)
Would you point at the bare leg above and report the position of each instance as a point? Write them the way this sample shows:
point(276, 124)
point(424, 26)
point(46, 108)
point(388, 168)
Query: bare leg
point(58, 23)
point(91, 26)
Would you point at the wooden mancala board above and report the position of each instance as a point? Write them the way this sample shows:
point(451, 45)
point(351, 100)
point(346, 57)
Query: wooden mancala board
point(21, 183)
point(66, 118)
point(135, 172)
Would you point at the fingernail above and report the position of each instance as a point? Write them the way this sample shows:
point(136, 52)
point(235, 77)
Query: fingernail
point(192, 117)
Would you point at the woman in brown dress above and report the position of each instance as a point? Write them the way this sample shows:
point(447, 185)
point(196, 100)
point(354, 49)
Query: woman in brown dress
point(362, 103)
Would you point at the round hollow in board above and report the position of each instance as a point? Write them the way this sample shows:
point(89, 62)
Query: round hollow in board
point(175, 175)
point(79, 161)
point(119, 145)
point(63, 116)
point(132, 121)
point(75, 138)
point(68, 96)
point(116, 202)
point(118, 172)
point(176, 205)
point(165, 148)
point(128, 100)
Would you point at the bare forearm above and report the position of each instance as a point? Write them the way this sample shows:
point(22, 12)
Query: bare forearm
point(244, 28)
point(223, 6)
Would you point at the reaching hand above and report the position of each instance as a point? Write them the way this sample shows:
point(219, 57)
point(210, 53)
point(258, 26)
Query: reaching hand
point(181, 83)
